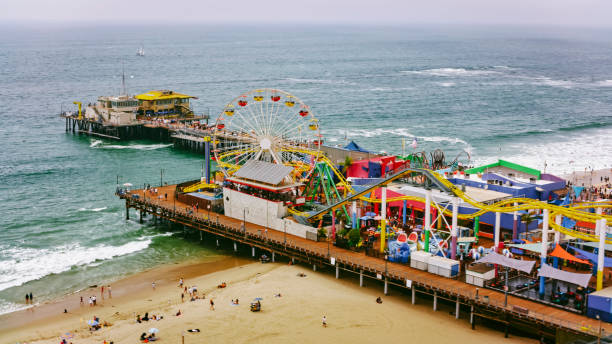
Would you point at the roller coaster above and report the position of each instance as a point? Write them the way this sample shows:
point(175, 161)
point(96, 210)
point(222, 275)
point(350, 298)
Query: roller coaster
point(574, 212)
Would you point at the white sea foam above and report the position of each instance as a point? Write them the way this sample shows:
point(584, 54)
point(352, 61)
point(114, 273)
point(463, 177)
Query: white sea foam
point(319, 81)
point(446, 84)
point(546, 81)
point(22, 265)
point(562, 156)
point(95, 143)
point(137, 146)
point(604, 83)
point(93, 209)
point(452, 72)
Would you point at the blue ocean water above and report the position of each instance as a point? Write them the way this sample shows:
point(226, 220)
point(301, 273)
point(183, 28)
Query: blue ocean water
point(532, 96)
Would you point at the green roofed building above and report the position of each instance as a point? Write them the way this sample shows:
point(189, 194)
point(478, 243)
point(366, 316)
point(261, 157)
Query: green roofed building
point(507, 168)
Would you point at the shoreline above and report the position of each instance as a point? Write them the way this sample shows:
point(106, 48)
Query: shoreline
point(124, 290)
point(353, 315)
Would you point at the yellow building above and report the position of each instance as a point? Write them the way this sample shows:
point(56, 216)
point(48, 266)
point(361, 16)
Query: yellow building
point(164, 103)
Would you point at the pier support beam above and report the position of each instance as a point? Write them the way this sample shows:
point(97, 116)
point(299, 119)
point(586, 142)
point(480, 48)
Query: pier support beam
point(413, 295)
point(361, 277)
point(427, 218)
point(253, 251)
point(603, 228)
point(314, 267)
point(515, 224)
point(544, 249)
point(337, 271)
point(385, 291)
point(435, 301)
point(454, 228)
point(497, 228)
point(200, 235)
point(235, 247)
point(457, 309)
point(127, 212)
point(273, 260)
point(472, 317)
point(217, 243)
point(141, 216)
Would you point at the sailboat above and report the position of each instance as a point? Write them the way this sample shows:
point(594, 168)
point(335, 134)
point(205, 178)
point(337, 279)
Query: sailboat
point(140, 51)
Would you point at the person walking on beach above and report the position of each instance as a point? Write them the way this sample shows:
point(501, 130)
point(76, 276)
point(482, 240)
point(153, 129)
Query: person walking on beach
point(31, 298)
point(108, 287)
point(212, 305)
point(153, 285)
point(324, 322)
point(81, 300)
point(102, 291)
point(181, 282)
point(27, 299)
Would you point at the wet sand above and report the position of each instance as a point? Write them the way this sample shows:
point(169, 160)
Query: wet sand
point(352, 313)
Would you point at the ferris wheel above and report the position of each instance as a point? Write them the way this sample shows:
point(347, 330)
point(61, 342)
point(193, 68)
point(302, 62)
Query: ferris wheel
point(267, 125)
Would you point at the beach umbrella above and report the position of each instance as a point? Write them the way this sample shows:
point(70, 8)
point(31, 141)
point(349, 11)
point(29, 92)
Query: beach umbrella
point(153, 330)
point(258, 299)
point(92, 323)
point(127, 184)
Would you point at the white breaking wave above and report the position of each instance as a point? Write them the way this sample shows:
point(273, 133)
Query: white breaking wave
point(137, 147)
point(22, 265)
point(319, 81)
point(546, 81)
point(563, 156)
point(605, 83)
point(95, 143)
point(446, 84)
point(93, 209)
point(404, 132)
point(449, 72)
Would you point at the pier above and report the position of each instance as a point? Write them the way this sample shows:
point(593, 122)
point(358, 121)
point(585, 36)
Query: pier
point(550, 324)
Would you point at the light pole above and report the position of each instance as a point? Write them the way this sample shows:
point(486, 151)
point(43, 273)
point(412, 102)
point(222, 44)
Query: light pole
point(161, 177)
point(506, 290)
point(208, 206)
point(244, 211)
point(386, 260)
point(328, 240)
point(598, 332)
point(285, 229)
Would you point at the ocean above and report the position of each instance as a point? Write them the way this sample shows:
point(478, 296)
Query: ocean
point(539, 97)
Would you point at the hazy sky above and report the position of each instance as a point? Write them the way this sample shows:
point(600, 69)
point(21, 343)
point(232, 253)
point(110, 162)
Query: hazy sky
point(590, 13)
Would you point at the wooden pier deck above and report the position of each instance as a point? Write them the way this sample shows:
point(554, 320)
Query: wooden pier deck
point(543, 320)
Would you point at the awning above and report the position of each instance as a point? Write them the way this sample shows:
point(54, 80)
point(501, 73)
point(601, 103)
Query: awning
point(591, 256)
point(571, 277)
point(496, 258)
point(559, 252)
point(537, 247)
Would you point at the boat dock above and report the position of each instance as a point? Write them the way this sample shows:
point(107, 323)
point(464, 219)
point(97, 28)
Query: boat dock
point(550, 324)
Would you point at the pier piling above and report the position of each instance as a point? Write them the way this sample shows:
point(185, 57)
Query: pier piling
point(273, 260)
point(457, 309)
point(253, 251)
point(314, 267)
point(337, 271)
point(235, 247)
point(386, 286)
point(413, 296)
point(361, 277)
point(435, 301)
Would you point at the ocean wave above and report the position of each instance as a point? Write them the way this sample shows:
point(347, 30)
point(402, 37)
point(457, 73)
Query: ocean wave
point(573, 153)
point(319, 81)
point(95, 143)
point(452, 72)
point(93, 209)
point(546, 81)
point(136, 146)
point(22, 265)
point(403, 132)
point(592, 125)
point(446, 84)
point(604, 83)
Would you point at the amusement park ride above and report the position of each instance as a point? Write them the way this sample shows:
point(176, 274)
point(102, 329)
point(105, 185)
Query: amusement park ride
point(274, 138)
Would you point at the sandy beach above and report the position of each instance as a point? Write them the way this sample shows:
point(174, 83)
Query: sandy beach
point(589, 178)
point(352, 314)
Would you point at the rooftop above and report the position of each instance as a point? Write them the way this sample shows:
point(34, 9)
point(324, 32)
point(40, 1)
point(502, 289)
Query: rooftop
point(162, 94)
point(263, 172)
